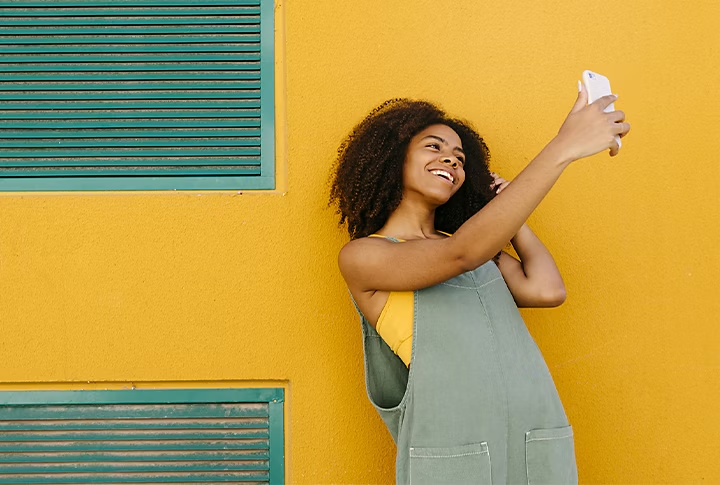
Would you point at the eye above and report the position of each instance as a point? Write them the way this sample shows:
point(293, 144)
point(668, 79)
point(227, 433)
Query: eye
point(434, 145)
point(461, 160)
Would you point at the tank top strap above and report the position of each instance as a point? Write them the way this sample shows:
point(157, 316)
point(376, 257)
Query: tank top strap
point(389, 238)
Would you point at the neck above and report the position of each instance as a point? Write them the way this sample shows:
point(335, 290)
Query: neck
point(411, 220)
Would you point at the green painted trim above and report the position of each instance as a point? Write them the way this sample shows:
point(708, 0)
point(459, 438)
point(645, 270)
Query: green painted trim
point(140, 396)
point(277, 441)
point(267, 90)
point(135, 184)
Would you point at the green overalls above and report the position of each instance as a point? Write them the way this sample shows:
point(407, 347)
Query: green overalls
point(478, 404)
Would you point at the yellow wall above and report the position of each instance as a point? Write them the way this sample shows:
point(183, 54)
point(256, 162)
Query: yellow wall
point(164, 288)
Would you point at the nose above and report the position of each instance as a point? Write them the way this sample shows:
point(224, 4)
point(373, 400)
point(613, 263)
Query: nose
point(451, 162)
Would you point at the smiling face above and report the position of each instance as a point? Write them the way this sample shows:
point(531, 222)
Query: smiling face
point(434, 165)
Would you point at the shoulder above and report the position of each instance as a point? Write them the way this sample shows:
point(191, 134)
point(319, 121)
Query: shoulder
point(359, 250)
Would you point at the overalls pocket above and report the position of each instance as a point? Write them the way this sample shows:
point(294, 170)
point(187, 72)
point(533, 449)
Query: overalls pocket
point(465, 464)
point(550, 456)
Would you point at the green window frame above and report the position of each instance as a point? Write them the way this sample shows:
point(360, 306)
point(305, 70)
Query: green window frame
point(142, 436)
point(137, 95)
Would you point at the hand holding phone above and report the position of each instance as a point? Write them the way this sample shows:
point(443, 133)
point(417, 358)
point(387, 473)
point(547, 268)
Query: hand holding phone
point(598, 86)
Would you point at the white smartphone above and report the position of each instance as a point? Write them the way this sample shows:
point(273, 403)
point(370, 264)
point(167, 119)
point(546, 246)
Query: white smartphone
point(598, 86)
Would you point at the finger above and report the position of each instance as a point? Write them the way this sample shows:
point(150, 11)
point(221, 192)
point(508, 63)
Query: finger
point(502, 187)
point(621, 128)
point(605, 101)
point(616, 116)
point(614, 148)
point(581, 100)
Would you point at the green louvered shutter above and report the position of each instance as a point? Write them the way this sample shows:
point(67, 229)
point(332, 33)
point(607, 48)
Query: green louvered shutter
point(136, 95)
point(142, 436)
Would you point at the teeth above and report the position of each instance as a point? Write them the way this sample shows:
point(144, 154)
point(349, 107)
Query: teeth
point(443, 173)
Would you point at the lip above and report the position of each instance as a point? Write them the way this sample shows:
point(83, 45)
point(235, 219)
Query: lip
point(444, 169)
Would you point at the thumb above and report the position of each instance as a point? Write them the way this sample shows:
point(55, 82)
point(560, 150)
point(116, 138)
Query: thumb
point(582, 99)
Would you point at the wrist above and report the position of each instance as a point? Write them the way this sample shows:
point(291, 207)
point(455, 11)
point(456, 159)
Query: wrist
point(557, 151)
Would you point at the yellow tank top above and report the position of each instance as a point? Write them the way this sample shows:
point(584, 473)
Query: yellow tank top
point(395, 324)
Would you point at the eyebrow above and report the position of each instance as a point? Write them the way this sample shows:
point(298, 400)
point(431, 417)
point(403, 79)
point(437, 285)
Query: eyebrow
point(445, 142)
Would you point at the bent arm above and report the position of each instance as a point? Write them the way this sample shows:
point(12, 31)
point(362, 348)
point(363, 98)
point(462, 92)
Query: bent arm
point(375, 264)
point(370, 264)
point(535, 280)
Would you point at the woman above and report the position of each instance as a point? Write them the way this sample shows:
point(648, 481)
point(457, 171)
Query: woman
point(450, 365)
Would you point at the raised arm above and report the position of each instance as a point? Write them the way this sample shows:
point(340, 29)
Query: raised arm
point(375, 264)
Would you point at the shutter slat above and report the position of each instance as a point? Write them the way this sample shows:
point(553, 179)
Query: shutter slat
point(130, 86)
point(105, 77)
point(100, 134)
point(164, 65)
point(125, 152)
point(119, 40)
point(135, 478)
point(84, 425)
point(69, 446)
point(125, 467)
point(124, 435)
point(107, 30)
point(149, 411)
point(117, 3)
point(134, 48)
point(149, 58)
point(189, 142)
point(119, 114)
point(135, 456)
point(159, 11)
point(132, 124)
point(127, 95)
point(254, 103)
point(250, 16)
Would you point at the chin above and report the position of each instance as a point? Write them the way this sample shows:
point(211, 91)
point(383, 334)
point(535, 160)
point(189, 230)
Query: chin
point(437, 198)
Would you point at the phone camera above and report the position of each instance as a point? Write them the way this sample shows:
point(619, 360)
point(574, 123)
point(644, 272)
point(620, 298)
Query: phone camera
point(591, 76)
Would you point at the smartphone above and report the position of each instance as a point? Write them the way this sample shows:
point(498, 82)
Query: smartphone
point(598, 86)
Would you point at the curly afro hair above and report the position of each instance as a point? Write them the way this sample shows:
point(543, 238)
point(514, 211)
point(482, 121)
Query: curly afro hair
point(367, 179)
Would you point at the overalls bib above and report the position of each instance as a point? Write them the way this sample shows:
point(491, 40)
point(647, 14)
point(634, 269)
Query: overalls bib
point(478, 404)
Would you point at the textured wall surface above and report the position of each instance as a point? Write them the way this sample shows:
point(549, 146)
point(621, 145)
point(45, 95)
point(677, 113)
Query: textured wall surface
point(168, 288)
